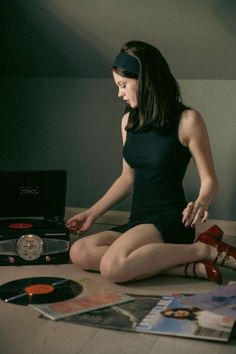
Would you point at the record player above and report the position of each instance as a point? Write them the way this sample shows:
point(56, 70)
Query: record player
point(32, 213)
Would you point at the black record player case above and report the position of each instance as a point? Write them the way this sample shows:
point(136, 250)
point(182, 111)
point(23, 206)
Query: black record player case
point(32, 213)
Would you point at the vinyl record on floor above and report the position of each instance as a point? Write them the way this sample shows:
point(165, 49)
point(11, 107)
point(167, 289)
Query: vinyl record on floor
point(39, 290)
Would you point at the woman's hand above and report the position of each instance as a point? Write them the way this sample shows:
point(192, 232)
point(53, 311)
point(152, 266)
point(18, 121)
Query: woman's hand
point(80, 222)
point(194, 212)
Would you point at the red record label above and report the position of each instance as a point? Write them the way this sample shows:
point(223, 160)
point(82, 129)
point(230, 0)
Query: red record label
point(39, 289)
point(20, 225)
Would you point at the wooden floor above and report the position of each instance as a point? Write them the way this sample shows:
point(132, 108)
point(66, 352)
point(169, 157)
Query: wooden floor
point(23, 331)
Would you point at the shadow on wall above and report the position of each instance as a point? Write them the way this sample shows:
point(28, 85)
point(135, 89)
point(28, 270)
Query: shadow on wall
point(226, 13)
point(36, 39)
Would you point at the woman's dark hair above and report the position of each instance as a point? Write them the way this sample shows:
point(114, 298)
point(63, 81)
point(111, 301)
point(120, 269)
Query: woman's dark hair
point(192, 313)
point(158, 95)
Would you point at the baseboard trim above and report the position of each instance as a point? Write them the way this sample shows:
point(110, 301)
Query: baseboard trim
point(116, 217)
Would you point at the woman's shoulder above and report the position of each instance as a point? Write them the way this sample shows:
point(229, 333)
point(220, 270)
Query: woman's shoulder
point(190, 116)
point(191, 123)
point(190, 119)
point(124, 120)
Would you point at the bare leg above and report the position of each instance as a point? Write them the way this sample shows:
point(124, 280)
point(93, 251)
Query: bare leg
point(140, 253)
point(88, 251)
point(137, 254)
point(180, 270)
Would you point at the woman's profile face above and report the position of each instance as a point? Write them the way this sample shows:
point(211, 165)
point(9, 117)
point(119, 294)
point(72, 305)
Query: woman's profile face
point(127, 89)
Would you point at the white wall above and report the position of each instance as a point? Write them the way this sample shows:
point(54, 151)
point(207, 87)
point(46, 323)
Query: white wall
point(74, 124)
point(216, 100)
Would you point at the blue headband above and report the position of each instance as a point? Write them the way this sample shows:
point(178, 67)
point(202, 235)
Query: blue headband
point(127, 62)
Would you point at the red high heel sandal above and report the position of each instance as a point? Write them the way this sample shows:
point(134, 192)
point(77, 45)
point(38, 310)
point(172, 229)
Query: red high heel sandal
point(214, 231)
point(226, 254)
point(212, 271)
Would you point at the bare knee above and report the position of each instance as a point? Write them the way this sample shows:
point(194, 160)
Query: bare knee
point(80, 253)
point(114, 269)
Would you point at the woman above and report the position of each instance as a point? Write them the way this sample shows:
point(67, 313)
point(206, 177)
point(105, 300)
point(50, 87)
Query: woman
point(204, 319)
point(160, 135)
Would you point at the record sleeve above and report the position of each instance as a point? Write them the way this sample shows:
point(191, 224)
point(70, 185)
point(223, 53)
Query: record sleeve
point(93, 296)
point(156, 315)
point(221, 300)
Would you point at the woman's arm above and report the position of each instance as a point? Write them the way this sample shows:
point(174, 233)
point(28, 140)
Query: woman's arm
point(193, 133)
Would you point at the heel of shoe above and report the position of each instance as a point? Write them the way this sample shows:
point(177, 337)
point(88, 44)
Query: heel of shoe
point(212, 271)
point(214, 231)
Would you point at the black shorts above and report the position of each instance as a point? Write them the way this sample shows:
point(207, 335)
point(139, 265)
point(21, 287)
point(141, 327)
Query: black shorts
point(173, 233)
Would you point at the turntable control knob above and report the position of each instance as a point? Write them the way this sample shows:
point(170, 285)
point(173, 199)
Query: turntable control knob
point(48, 258)
point(11, 259)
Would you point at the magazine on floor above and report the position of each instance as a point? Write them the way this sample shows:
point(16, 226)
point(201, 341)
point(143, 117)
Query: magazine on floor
point(92, 297)
point(164, 315)
point(221, 300)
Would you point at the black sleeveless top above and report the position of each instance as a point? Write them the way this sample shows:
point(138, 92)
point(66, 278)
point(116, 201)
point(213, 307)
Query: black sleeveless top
point(159, 161)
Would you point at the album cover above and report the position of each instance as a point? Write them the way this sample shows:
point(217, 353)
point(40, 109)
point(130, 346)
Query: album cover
point(93, 296)
point(164, 315)
point(221, 300)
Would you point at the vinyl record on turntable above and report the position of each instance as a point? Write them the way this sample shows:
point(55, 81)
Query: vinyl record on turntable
point(39, 290)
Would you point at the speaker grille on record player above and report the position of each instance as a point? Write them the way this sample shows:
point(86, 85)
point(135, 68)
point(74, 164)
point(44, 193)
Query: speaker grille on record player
point(55, 246)
point(8, 247)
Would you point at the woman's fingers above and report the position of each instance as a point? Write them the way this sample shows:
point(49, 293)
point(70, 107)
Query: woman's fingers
point(80, 223)
point(193, 213)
